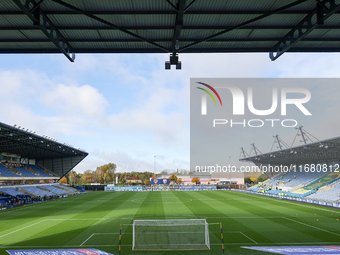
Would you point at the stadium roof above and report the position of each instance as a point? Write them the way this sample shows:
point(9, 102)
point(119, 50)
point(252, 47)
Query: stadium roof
point(312, 153)
point(57, 157)
point(169, 26)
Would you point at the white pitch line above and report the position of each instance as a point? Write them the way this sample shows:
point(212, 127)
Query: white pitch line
point(218, 244)
point(86, 239)
point(87, 219)
point(248, 237)
point(22, 228)
point(312, 226)
point(257, 217)
point(108, 233)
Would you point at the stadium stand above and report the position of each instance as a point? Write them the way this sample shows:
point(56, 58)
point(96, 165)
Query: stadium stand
point(70, 189)
point(36, 191)
point(11, 191)
point(4, 172)
point(56, 190)
point(24, 172)
point(328, 195)
point(304, 179)
point(322, 186)
point(39, 171)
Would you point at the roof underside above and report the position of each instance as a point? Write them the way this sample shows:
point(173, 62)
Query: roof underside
point(174, 26)
point(318, 152)
point(57, 157)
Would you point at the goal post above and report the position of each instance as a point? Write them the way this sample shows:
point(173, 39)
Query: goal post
point(180, 234)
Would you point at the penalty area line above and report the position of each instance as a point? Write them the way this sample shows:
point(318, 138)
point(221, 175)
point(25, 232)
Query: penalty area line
point(87, 239)
point(248, 237)
point(305, 224)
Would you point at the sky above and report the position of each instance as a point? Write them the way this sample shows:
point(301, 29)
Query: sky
point(125, 108)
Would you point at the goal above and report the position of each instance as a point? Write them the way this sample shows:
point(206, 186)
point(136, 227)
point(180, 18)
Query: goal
point(180, 234)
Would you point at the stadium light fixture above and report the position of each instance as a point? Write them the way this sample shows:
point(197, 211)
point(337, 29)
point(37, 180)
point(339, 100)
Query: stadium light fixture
point(326, 146)
point(173, 61)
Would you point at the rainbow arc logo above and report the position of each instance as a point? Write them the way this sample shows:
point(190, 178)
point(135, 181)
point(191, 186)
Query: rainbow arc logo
point(209, 93)
point(204, 97)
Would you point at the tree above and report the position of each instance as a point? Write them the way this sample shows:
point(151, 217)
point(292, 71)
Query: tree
point(63, 180)
point(173, 178)
point(253, 179)
point(147, 182)
point(179, 181)
point(105, 173)
point(72, 177)
point(153, 177)
point(88, 177)
point(195, 180)
point(164, 172)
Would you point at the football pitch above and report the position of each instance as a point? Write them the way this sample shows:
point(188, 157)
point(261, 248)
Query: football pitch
point(93, 220)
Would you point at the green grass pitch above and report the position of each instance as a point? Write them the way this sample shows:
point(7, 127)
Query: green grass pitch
point(92, 220)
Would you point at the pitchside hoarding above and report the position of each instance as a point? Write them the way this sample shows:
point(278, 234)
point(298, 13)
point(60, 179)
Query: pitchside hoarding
point(160, 181)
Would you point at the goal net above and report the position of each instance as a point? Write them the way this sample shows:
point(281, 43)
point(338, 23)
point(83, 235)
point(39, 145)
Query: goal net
point(189, 234)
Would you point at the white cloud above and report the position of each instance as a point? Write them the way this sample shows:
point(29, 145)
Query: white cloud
point(63, 106)
point(75, 99)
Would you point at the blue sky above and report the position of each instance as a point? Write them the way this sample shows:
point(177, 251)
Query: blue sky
point(125, 108)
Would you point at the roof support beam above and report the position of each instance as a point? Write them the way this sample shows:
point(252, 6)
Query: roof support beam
point(109, 24)
point(172, 5)
point(324, 9)
point(165, 27)
point(178, 25)
point(32, 10)
point(162, 12)
point(243, 24)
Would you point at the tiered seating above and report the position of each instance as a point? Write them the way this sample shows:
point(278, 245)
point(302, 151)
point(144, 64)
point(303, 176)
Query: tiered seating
point(289, 176)
point(72, 190)
point(305, 178)
point(331, 195)
point(273, 181)
point(37, 191)
point(317, 184)
point(4, 172)
point(24, 172)
point(55, 190)
point(39, 171)
point(11, 191)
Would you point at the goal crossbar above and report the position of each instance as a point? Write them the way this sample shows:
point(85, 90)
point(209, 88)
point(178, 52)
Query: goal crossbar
point(179, 234)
